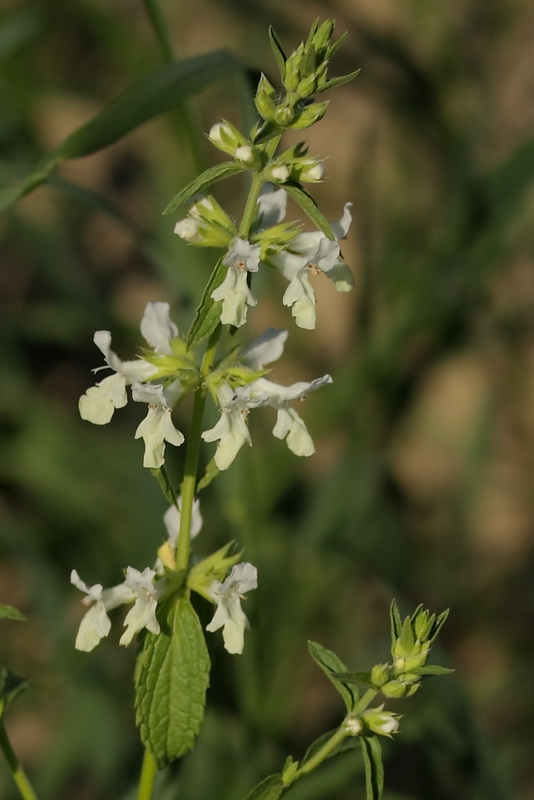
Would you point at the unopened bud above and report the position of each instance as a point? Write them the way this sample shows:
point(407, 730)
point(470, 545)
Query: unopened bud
point(309, 115)
point(204, 203)
point(277, 174)
point(215, 134)
point(381, 722)
point(307, 86)
point(189, 230)
point(353, 726)
point(245, 154)
point(312, 173)
point(284, 115)
point(380, 674)
point(265, 99)
point(399, 688)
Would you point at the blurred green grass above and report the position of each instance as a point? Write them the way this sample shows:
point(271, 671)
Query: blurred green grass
point(423, 481)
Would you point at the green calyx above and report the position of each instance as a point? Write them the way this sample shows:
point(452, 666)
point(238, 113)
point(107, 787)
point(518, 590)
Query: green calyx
point(213, 568)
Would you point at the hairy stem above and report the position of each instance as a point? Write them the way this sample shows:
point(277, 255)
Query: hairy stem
point(326, 750)
point(192, 456)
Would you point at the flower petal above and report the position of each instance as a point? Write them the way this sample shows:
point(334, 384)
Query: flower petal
point(157, 327)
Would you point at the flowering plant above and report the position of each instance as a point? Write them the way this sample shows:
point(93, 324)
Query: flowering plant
point(173, 665)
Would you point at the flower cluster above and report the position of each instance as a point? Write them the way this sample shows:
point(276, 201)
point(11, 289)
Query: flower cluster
point(295, 255)
point(238, 381)
point(237, 385)
point(99, 402)
point(147, 588)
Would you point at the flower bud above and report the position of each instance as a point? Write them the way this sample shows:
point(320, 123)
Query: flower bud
point(353, 725)
point(245, 154)
point(307, 86)
point(284, 115)
point(397, 689)
point(323, 34)
point(202, 205)
point(423, 625)
point(381, 722)
point(189, 230)
point(265, 99)
point(312, 172)
point(310, 115)
point(379, 674)
point(215, 134)
point(277, 173)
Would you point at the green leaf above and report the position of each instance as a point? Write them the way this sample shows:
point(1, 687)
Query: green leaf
point(396, 621)
point(309, 206)
point(354, 677)
point(160, 92)
point(331, 666)
point(271, 788)
point(208, 314)
point(333, 82)
point(432, 669)
point(171, 679)
point(211, 472)
point(8, 612)
point(203, 181)
point(278, 51)
point(374, 769)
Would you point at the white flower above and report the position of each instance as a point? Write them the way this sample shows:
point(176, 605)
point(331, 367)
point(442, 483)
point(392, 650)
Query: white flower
point(138, 587)
point(173, 516)
point(157, 427)
point(289, 425)
point(229, 615)
point(99, 402)
point(272, 204)
point(158, 328)
point(143, 612)
point(308, 253)
point(231, 431)
point(96, 624)
point(242, 258)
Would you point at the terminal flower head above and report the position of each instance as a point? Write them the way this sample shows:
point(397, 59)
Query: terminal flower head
point(229, 615)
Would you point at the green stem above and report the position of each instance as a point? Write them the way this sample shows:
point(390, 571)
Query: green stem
point(192, 456)
point(249, 212)
point(160, 29)
point(321, 755)
point(187, 489)
point(148, 777)
point(19, 776)
point(364, 701)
